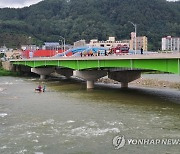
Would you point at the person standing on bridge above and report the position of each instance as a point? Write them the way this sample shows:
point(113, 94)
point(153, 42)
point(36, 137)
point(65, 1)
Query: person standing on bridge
point(105, 53)
point(98, 53)
point(141, 51)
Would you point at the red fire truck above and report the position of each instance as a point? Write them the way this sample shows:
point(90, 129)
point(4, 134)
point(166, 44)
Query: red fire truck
point(120, 49)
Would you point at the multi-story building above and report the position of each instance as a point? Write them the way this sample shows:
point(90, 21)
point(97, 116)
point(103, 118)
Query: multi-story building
point(51, 46)
point(139, 41)
point(79, 43)
point(171, 44)
point(3, 49)
point(29, 47)
point(111, 42)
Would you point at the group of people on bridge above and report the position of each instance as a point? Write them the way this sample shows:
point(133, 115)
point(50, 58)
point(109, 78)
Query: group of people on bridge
point(99, 53)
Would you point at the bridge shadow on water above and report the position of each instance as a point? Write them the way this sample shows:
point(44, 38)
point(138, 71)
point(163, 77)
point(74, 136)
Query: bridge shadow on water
point(163, 96)
point(114, 93)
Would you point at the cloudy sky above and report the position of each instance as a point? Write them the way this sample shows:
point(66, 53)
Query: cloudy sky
point(17, 3)
point(22, 3)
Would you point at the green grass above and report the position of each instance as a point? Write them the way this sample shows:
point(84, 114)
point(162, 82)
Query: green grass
point(8, 73)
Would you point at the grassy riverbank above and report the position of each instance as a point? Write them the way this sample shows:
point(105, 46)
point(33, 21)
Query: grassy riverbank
point(8, 73)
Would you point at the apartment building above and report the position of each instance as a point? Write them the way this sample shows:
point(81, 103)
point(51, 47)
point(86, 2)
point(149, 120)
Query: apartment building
point(80, 43)
point(139, 41)
point(170, 43)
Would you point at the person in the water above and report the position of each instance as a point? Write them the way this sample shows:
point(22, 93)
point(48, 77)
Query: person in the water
point(44, 88)
point(39, 88)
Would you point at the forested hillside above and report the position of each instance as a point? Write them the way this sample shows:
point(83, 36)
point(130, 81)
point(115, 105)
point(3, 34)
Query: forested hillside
point(89, 19)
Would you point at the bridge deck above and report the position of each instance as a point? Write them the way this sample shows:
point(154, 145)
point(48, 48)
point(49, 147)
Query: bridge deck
point(110, 57)
point(160, 62)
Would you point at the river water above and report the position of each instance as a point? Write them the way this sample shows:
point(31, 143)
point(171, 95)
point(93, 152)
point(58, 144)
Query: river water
point(67, 118)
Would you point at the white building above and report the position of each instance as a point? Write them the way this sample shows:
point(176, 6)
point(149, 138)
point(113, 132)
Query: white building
point(171, 44)
point(3, 49)
point(29, 47)
point(79, 43)
point(111, 42)
point(52, 46)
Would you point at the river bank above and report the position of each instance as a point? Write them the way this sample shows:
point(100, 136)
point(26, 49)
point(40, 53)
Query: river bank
point(156, 83)
point(4, 72)
point(145, 81)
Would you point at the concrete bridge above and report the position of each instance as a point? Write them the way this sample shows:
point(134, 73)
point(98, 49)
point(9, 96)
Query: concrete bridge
point(123, 68)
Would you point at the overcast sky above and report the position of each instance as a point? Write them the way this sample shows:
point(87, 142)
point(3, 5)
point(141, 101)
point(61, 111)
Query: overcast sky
point(22, 3)
point(17, 3)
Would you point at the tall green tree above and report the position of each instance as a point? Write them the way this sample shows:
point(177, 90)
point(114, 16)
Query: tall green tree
point(89, 19)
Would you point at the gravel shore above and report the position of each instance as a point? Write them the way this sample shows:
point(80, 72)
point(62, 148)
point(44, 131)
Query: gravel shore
point(153, 83)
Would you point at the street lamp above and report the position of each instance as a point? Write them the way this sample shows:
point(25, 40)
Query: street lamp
point(61, 44)
point(135, 27)
point(29, 42)
point(64, 44)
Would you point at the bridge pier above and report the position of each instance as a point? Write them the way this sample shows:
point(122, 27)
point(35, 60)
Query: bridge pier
point(124, 84)
point(90, 76)
point(90, 84)
point(124, 76)
point(42, 77)
point(65, 72)
point(42, 71)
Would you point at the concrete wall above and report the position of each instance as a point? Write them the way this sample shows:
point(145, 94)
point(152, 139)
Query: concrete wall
point(7, 66)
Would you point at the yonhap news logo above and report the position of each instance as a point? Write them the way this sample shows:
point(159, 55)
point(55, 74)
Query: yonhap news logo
point(120, 141)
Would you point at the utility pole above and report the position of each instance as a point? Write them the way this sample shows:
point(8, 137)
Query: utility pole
point(64, 44)
point(135, 29)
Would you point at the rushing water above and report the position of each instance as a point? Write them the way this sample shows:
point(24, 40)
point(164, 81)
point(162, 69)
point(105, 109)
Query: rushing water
point(67, 118)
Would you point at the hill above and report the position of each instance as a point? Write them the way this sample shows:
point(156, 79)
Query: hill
point(89, 19)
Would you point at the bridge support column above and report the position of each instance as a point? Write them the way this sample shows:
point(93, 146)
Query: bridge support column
point(90, 76)
point(42, 71)
point(90, 84)
point(65, 72)
point(42, 77)
point(124, 84)
point(124, 76)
